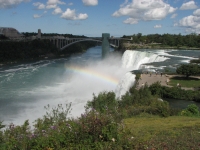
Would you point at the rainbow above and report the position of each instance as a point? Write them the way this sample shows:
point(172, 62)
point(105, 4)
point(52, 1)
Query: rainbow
point(93, 74)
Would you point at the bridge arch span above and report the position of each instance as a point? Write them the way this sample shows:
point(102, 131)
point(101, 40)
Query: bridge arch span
point(82, 40)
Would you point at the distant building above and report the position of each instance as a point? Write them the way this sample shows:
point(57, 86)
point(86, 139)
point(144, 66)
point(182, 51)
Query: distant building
point(33, 37)
point(11, 33)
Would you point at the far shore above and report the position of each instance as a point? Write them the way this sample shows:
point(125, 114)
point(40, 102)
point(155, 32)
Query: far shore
point(154, 46)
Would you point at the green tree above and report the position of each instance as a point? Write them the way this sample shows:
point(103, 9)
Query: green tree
point(188, 69)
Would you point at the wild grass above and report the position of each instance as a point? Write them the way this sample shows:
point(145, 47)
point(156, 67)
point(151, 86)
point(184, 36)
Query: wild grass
point(154, 132)
point(190, 82)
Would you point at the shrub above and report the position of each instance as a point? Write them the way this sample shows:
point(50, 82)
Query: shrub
point(92, 130)
point(156, 89)
point(1, 133)
point(174, 92)
point(188, 69)
point(105, 102)
point(191, 110)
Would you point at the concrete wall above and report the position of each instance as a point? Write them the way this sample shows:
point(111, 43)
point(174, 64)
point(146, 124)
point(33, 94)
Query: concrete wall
point(105, 44)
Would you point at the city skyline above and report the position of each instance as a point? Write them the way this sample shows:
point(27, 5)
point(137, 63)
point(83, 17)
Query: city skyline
point(94, 17)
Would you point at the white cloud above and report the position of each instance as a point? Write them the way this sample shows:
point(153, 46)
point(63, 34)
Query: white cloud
point(37, 16)
point(57, 11)
point(10, 3)
point(144, 10)
point(188, 5)
point(197, 12)
point(82, 17)
point(39, 5)
point(53, 4)
point(70, 4)
point(71, 15)
point(174, 16)
point(158, 26)
point(191, 23)
point(131, 21)
point(90, 2)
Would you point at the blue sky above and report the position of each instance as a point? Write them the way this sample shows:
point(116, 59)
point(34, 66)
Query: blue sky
point(94, 17)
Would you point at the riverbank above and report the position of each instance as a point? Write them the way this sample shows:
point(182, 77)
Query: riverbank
point(156, 46)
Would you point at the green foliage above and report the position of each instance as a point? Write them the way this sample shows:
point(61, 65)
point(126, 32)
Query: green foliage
point(100, 127)
point(1, 133)
point(105, 102)
point(167, 40)
point(191, 110)
point(137, 76)
point(1, 125)
point(174, 92)
point(156, 89)
point(188, 69)
point(92, 130)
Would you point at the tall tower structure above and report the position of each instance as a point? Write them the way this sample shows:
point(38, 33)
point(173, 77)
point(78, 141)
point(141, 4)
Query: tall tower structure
point(105, 44)
point(39, 34)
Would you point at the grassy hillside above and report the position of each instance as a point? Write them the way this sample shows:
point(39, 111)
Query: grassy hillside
point(175, 132)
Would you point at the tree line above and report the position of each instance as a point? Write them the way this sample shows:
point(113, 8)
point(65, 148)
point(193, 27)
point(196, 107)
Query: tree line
point(11, 51)
point(28, 34)
point(177, 40)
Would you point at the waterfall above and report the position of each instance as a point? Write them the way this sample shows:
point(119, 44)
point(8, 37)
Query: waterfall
point(133, 60)
point(125, 83)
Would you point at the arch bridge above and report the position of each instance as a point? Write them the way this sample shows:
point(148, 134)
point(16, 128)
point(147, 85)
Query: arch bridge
point(107, 41)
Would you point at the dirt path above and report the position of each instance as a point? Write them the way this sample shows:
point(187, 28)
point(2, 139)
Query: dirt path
point(152, 78)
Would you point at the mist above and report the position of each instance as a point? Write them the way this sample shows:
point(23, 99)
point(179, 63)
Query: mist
point(67, 80)
point(75, 87)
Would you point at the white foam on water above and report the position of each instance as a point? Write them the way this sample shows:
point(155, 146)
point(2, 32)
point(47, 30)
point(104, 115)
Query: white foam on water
point(165, 53)
point(134, 59)
point(185, 61)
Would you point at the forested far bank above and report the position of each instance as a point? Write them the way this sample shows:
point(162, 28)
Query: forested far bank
point(12, 51)
point(164, 41)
